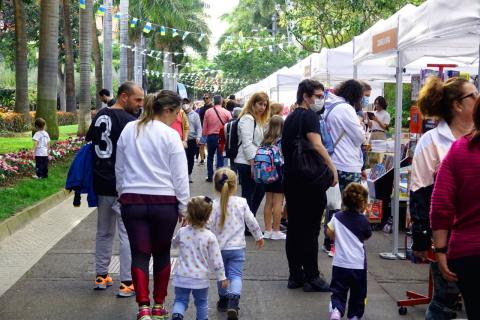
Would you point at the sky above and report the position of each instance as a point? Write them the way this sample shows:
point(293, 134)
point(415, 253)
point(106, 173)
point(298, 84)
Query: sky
point(217, 26)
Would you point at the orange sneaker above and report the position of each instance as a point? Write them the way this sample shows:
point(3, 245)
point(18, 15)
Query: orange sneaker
point(102, 283)
point(125, 291)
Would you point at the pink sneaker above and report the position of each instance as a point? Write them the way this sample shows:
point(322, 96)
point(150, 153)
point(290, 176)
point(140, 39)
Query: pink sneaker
point(144, 313)
point(335, 315)
point(159, 312)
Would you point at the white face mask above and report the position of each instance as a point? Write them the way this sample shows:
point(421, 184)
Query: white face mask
point(185, 107)
point(317, 105)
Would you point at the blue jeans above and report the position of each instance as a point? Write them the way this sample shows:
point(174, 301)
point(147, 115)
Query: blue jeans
point(233, 261)
point(212, 148)
point(251, 190)
point(200, 298)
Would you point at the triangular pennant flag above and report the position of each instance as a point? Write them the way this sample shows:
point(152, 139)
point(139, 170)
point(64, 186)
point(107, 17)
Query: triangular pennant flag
point(117, 16)
point(185, 35)
point(280, 45)
point(101, 10)
point(270, 48)
point(82, 4)
point(133, 22)
point(229, 39)
point(240, 36)
point(159, 54)
point(162, 30)
point(134, 49)
point(176, 54)
point(201, 37)
point(147, 28)
point(260, 49)
point(174, 33)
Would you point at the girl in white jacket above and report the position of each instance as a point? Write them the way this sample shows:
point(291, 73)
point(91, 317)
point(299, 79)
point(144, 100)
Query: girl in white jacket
point(227, 222)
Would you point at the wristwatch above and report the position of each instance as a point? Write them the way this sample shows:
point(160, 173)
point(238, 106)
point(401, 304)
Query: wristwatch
point(440, 250)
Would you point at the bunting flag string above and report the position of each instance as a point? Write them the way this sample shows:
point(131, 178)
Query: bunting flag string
point(230, 39)
point(156, 54)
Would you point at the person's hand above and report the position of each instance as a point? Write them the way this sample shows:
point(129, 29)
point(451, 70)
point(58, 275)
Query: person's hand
point(197, 141)
point(443, 265)
point(224, 284)
point(260, 243)
point(181, 219)
point(422, 255)
point(185, 144)
point(335, 178)
point(364, 175)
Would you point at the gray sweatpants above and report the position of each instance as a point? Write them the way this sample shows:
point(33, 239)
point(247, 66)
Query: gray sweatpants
point(107, 218)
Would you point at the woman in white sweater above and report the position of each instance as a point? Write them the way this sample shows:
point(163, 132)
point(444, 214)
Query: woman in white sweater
point(251, 128)
point(152, 184)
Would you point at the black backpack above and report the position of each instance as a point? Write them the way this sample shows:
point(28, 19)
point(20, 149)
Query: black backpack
point(231, 138)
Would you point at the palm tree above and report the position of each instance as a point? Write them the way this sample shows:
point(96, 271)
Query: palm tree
point(183, 15)
point(97, 59)
point(21, 66)
point(123, 41)
point(107, 46)
point(48, 65)
point(71, 101)
point(84, 116)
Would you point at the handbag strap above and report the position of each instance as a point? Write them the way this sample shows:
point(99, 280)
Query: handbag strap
point(223, 123)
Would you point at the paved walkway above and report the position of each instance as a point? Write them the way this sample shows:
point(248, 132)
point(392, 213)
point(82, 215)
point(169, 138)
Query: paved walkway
point(59, 285)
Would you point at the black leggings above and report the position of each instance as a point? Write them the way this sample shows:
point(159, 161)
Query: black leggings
point(150, 229)
point(466, 269)
point(305, 210)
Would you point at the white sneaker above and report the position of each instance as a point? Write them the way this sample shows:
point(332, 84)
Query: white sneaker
point(267, 234)
point(335, 315)
point(277, 235)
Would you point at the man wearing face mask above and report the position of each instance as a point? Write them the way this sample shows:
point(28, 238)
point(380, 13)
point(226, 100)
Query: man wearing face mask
point(194, 135)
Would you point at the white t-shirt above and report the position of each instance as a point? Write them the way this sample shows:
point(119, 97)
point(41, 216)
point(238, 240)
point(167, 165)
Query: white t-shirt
point(43, 139)
point(383, 117)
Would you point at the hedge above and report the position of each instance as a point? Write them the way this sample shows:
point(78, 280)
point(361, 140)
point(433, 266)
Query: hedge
point(15, 122)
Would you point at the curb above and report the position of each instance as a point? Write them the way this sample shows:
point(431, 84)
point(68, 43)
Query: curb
point(16, 222)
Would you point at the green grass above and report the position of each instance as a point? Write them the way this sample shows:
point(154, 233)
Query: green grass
point(24, 140)
point(28, 191)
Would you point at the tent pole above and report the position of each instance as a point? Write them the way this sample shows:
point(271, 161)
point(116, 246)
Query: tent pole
point(478, 74)
point(278, 90)
point(397, 157)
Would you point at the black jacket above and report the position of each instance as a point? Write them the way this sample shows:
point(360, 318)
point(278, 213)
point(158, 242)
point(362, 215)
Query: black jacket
point(420, 214)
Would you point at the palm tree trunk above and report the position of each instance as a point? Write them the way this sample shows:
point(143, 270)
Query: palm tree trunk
point(130, 66)
point(85, 33)
point(21, 67)
point(98, 65)
point(71, 100)
point(123, 41)
point(138, 61)
point(61, 89)
point(48, 66)
point(107, 46)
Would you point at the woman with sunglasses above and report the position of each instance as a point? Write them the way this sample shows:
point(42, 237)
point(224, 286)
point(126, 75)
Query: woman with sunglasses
point(455, 211)
point(152, 184)
point(452, 103)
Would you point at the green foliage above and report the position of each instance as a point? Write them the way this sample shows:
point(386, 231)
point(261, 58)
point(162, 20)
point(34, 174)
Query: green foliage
point(13, 142)
point(7, 97)
point(390, 93)
point(28, 191)
point(15, 122)
point(336, 22)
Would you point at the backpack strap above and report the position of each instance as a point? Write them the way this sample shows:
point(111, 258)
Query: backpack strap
point(325, 119)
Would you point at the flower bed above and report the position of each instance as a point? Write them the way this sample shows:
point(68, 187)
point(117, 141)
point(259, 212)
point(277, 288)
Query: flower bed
point(15, 122)
point(20, 164)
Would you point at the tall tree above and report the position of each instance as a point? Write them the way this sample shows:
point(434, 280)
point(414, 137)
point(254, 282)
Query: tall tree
point(123, 40)
point(107, 46)
point(84, 115)
point(71, 101)
point(97, 59)
point(21, 62)
point(48, 66)
point(336, 22)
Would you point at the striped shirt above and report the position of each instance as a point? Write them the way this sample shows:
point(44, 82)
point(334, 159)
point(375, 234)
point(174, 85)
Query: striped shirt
point(455, 200)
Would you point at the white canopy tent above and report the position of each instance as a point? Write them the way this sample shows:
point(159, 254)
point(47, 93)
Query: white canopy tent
point(437, 28)
point(281, 86)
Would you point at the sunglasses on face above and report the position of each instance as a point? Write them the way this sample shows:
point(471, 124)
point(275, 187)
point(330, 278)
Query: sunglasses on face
point(318, 96)
point(206, 98)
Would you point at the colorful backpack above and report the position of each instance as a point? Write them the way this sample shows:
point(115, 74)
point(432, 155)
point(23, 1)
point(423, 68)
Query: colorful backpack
point(265, 164)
